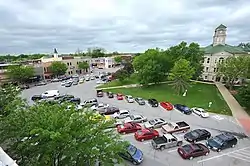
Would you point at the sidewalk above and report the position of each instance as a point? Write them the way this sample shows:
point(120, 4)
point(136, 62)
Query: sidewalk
point(238, 112)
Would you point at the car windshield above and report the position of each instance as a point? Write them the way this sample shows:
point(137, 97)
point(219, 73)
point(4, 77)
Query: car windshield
point(170, 125)
point(132, 150)
point(152, 122)
point(218, 140)
point(139, 132)
point(140, 99)
point(187, 148)
point(195, 134)
point(132, 116)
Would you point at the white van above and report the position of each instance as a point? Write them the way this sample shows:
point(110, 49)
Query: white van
point(50, 93)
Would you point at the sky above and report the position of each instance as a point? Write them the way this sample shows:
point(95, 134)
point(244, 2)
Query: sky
point(38, 26)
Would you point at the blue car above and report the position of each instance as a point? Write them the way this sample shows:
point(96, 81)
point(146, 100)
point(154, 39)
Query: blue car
point(184, 109)
point(133, 155)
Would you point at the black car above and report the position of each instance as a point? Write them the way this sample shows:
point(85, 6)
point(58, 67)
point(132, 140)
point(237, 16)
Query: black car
point(110, 95)
point(65, 97)
point(109, 111)
point(36, 97)
point(222, 141)
point(197, 135)
point(132, 154)
point(68, 84)
point(153, 102)
point(182, 108)
point(99, 93)
point(140, 101)
point(75, 100)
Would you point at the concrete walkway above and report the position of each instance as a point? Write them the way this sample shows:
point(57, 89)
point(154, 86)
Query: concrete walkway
point(238, 112)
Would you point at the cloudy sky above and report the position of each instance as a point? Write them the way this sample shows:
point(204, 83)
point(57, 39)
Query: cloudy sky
point(32, 26)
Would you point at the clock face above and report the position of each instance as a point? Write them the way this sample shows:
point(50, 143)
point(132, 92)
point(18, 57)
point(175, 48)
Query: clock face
point(221, 31)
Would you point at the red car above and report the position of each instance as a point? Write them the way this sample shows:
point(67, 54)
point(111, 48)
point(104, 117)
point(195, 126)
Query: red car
point(168, 106)
point(119, 96)
point(146, 134)
point(129, 127)
point(190, 151)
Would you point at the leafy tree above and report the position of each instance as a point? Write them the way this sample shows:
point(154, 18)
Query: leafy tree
point(58, 68)
point(96, 52)
point(245, 46)
point(83, 65)
point(45, 134)
point(151, 66)
point(233, 68)
point(121, 74)
point(118, 59)
point(191, 52)
point(20, 73)
point(244, 94)
point(180, 75)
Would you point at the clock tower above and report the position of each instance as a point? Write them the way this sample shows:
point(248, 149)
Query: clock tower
point(220, 35)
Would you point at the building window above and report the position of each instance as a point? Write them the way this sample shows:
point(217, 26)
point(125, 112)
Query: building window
point(221, 60)
point(77, 62)
point(68, 64)
point(214, 69)
point(215, 61)
point(45, 69)
point(206, 69)
point(213, 78)
point(208, 60)
point(217, 69)
point(205, 77)
point(69, 72)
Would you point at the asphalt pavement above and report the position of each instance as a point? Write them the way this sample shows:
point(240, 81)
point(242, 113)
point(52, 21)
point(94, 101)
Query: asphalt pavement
point(238, 156)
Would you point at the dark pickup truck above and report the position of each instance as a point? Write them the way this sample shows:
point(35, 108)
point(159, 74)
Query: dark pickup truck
point(172, 127)
point(166, 141)
point(99, 93)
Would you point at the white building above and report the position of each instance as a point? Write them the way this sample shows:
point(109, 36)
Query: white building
point(217, 52)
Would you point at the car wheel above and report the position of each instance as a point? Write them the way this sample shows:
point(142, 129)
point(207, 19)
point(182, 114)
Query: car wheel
point(124, 133)
point(218, 150)
point(134, 162)
point(179, 143)
point(233, 146)
point(191, 158)
point(162, 147)
point(142, 140)
point(206, 154)
point(194, 141)
point(207, 138)
point(156, 136)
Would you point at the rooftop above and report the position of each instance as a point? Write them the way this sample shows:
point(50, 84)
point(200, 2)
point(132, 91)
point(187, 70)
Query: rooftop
point(221, 26)
point(223, 48)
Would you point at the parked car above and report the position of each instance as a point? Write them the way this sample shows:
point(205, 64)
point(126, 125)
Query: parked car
point(41, 83)
point(197, 135)
point(182, 108)
point(172, 127)
point(190, 151)
point(132, 154)
point(153, 102)
point(146, 134)
point(166, 141)
point(68, 84)
point(99, 93)
point(81, 80)
point(24, 86)
point(92, 78)
point(155, 123)
point(129, 127)
point(75, 100)
point(89, 102)
point(75, 83)
point(87, 79)
point(129, 99)
point(121, 114)
point(140, 101)
point(222, 141)
point(110, 95)
point(98, 106)
point(200, 112)
point(50, 93)
point(109, 111)
point(135, 118)
point(64, 97)
point(55, 80)
point(36, 97)
point(119, 96)
point(166, 105)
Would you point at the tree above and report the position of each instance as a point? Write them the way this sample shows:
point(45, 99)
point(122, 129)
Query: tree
point(191, 52)
point(20, 73)
point(118, 59)
point(45, 134)
point(96, 52)
point(233, 68)
point(180, 75)
point(151, 66)
point(83, 65)
point(244, 94)
point(245, 46)
point(58, 68)
point(121, 74)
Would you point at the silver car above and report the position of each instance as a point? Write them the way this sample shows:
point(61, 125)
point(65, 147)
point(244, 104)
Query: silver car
point(155, 123)
point(135, 119)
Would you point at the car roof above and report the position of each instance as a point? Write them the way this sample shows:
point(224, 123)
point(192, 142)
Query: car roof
point(159, 119)
point(121, 111)
point(226, 136)
point(168, 136)
point(137, 116)
point(200, 131)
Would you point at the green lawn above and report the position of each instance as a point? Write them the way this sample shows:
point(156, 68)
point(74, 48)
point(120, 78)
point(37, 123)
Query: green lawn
point(198, 95)
point(118, 83)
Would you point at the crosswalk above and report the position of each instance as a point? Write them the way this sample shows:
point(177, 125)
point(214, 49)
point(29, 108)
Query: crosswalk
point(242, 154)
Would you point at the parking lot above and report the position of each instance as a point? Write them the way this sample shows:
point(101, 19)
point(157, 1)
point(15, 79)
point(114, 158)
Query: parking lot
point(238, 156)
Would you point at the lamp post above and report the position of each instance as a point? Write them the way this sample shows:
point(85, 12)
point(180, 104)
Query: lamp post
point(185, 93)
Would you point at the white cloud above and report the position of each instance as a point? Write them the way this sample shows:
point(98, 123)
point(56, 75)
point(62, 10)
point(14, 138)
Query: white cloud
point(127, 26)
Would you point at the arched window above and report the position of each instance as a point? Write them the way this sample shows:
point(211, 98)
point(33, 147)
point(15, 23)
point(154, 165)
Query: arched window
point(221, 59)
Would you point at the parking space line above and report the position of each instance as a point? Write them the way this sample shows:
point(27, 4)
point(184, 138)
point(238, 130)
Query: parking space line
point(174, 150)
point(148, 142)
point(229, 155)
point(243, 153)
point(225, 154)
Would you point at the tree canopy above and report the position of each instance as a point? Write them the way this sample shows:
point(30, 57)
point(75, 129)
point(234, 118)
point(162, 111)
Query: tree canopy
point(96, 52)
point(83, 65)
point(151, 66)
point(181, 74)
point(118, 59)
point(20, 73)
point(46, 134)
point(234, 68)
point(11, 58)
point(244, 94)
point(58, 68)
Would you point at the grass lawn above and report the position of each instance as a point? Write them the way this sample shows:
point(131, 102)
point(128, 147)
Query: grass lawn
point(118, 83)
point(198, 95)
